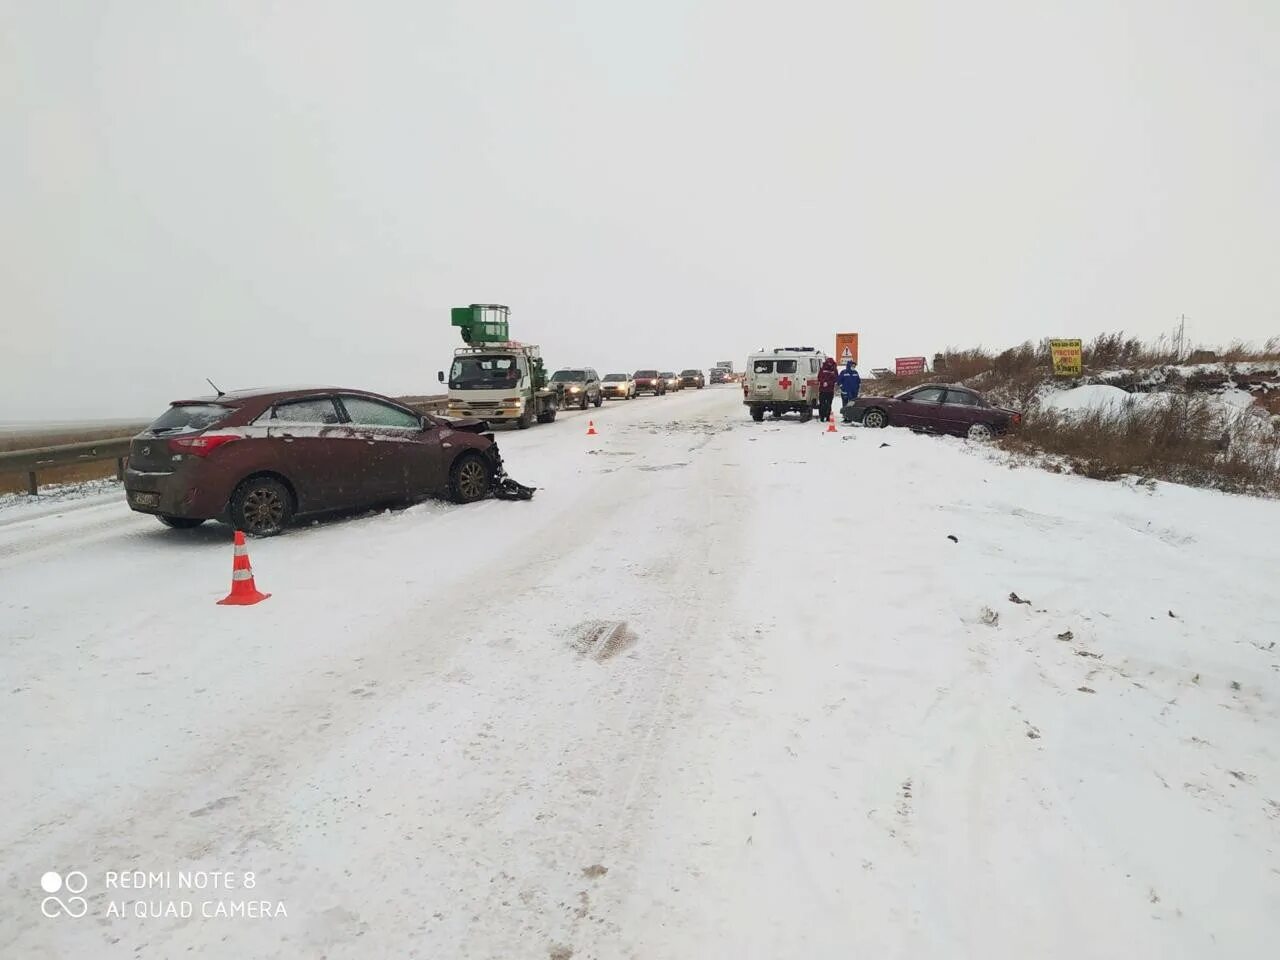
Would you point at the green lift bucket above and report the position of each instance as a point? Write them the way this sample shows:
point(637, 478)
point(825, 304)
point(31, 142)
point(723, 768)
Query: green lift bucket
point(483, 323)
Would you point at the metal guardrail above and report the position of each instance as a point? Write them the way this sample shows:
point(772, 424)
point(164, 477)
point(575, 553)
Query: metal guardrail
point(35, 459)
point(38, 458)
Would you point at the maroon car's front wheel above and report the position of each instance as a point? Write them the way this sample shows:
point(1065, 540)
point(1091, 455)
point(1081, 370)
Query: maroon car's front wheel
point(875, 419)
point(471, 478)
point(261, 507)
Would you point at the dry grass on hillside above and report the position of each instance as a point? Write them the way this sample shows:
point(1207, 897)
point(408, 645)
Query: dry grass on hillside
point(1014, 375)
point(1189, 439)
point(1107, 351)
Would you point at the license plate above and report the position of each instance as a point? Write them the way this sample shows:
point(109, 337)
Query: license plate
point(147, 499)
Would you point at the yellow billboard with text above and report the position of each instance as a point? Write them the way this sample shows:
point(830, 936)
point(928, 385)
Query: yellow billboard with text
point(1068, 357)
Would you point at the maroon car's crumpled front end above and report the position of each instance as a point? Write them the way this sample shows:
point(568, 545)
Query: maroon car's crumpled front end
point(470, 425)
point(504, 488)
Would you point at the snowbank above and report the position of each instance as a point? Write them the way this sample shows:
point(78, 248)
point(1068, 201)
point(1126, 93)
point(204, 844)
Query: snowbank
point(1229, 405)
point(1009, 714)
point(1089, 398)
point(58, 496)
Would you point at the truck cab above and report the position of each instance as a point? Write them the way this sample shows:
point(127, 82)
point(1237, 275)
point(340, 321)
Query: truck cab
point(782, 380)
point(500, 383)
point(493, 377)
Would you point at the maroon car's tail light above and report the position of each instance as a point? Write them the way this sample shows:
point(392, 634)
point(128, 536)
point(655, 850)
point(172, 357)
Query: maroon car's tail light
point(1017, 419)
point(202, 445)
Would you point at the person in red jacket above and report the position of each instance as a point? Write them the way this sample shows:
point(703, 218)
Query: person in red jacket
point(827, 377)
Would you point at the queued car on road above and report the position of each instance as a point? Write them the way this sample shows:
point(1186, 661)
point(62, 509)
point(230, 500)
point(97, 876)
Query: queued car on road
point(618, 386)
point(673, 381)
point(935, 408)
point(578, 387)
point(719, 375)
point(258, 458)
point(649, 381)
point(692, 378)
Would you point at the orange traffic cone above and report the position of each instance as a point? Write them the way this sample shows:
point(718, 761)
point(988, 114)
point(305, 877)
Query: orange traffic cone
point(831, 424)
point(243, 591)
point(591, 429)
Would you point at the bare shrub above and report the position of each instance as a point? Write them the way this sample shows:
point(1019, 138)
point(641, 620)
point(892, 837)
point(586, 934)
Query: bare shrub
point(1109, 350)
point(959, 365)
point(1022, 359)
point(1240, 351)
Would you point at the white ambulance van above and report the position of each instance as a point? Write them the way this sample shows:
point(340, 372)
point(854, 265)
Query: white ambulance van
point(782, 380)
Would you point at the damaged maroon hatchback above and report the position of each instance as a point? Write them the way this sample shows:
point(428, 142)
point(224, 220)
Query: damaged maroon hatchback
point(258, 458)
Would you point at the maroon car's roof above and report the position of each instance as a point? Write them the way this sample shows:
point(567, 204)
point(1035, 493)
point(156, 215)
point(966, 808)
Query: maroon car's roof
point(253, 393)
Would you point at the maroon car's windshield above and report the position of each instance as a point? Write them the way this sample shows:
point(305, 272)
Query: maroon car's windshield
point(189, 416)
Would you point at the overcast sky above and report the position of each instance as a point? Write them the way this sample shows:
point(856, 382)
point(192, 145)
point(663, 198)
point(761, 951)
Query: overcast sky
point(297, 191)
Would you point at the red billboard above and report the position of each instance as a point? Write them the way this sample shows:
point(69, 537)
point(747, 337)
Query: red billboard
point(909, 366)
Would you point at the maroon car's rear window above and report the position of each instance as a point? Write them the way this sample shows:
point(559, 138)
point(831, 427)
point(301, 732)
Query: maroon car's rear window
point(189, 416)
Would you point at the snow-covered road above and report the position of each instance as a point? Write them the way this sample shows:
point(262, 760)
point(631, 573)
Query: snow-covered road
point(811, 724)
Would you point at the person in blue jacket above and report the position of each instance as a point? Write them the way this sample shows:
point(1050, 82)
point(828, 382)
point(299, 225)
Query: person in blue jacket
point(850, 383)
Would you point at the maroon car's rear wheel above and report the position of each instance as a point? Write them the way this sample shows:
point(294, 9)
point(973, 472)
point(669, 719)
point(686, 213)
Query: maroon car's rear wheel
point(980, 431)
point(261, 507)
point(471, 478)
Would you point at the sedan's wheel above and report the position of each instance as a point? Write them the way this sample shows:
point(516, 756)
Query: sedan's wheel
point(470, 479)
point(875, 419)
point(262, 507)
point(180, 523)
point(981, 431)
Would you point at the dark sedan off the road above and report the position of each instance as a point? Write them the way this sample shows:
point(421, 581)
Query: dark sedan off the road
point(257, 458)
point(934, 408)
